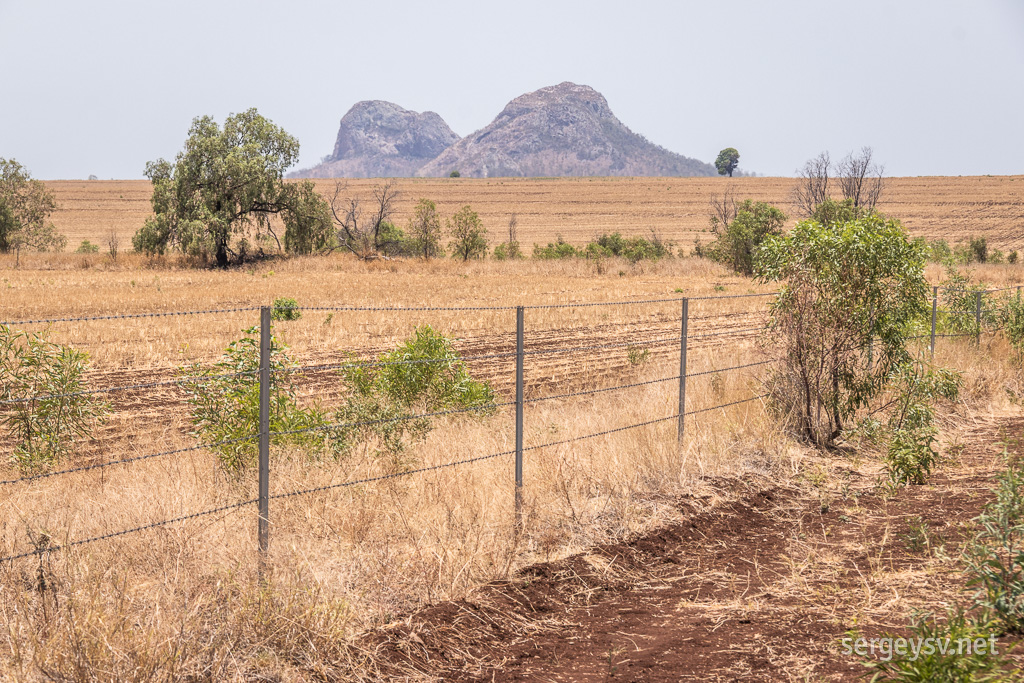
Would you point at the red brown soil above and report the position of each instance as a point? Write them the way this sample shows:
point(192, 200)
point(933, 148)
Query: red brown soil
point(761, 585)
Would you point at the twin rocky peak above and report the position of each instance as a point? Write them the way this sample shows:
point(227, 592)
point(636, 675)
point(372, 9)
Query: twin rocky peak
point(563, 130)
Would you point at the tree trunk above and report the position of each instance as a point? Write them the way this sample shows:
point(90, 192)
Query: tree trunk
point(222, 253)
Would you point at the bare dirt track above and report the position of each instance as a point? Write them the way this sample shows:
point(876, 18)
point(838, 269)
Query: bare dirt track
point(581, 208)
point(758, 583)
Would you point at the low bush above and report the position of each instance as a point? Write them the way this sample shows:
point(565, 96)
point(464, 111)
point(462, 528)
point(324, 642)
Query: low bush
point(285, 308)
point(224, 402)
point(508, 251)
point(995, 556)
point(956, 648)
point(558, 249)
point(422, 375)
point(912, 450)
point(87, 247)
point(47, 415)
point(737, 240)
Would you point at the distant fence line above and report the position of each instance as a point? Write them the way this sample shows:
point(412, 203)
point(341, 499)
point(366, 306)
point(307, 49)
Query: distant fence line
point(262, 432)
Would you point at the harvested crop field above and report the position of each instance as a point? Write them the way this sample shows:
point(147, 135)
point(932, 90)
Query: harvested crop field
point(579, 209)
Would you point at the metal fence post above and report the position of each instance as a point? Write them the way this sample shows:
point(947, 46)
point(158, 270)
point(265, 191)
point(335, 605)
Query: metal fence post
point(519, 418)
point(264, 443)
point(935, 307)
point(977, 319)
point(682, 370)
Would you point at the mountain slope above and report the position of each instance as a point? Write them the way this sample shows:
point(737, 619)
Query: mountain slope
point(562, 130)
point(381, 139)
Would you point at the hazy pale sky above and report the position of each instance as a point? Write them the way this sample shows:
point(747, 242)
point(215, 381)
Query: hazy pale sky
point(935, 87)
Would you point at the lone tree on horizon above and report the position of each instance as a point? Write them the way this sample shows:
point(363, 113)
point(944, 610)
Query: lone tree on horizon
point(727, 161)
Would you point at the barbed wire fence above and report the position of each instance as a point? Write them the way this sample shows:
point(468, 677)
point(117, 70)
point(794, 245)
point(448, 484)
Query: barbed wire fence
point(263, 434)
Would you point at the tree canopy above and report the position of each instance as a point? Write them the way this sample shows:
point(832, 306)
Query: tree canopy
point(25, 207)
point(217, 200)
point(849, 292)
point(727, 161)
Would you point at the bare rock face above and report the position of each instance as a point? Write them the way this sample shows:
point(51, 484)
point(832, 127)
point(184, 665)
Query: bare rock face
point(562, 130)
point(380, 139)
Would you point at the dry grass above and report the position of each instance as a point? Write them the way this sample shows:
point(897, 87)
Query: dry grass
point(183, 600)
point(582, 208)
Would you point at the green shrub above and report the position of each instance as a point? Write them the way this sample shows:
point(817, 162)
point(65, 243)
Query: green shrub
point(1011, 258)
point(844, 290)
point(422, 375)
point(941, 655)
point(469, 236)
point(454, 174)
point(633, 249)
point(44, 422)
point(1014, 324)
point(508, 251)
point(558, 249)
point(285, 308)
point(737, 241)
point(912, 451)
point(995, 556)
point(979, 249)
point(226, 408)
point(392, 241)
point(958, 299)
point(87, 247)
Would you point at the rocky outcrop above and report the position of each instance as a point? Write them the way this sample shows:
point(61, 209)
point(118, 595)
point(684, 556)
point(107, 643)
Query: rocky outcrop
point(380, 139)
point(562, 130)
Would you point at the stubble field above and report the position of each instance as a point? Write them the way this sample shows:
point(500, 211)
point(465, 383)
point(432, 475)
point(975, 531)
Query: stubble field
point(581, 208)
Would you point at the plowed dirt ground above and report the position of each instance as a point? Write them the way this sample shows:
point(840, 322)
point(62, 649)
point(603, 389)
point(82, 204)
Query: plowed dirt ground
point(758, 583)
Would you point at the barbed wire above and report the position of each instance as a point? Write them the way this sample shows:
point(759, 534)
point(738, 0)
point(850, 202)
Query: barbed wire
point(125, 316)
point(610, 345)
point(382, 363)
point(392, 475)
point(724, 332)
point(734, 367)
point(598, 391)
point(606, 303)
point(123, 461)
point(401, 418)
point(731, 296)
point(726, 405)
point(394, 309)
point(126, 387)
point(125, 532)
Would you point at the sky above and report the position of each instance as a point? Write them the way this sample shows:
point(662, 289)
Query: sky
point(934, 87)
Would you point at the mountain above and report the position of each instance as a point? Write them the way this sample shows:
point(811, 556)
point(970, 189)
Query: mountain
point(562, 130)
point(380, 139)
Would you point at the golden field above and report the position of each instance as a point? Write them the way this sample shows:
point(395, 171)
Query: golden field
point(581, 208)
point(182, 601)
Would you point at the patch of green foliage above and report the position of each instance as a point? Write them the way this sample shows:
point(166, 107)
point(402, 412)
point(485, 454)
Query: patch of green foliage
point(633, 249)
point(942, 652)
point(508, 251)
point(912, 446)
point(87, 247)
point(285, 308)
point(736, 241)
point(846, 290)
point(422, 375)
point(48, 417)
point(558, 249)
point(995, 556)
point(224, 402)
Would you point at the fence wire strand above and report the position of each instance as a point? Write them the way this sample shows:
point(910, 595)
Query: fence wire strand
point(124, 461)
point(125, 532)
point(125, 316)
